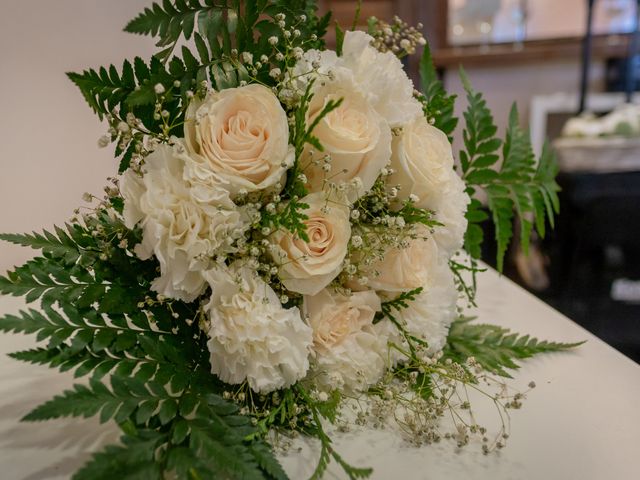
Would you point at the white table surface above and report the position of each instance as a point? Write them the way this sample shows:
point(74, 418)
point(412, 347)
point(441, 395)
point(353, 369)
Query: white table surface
point(580, 422)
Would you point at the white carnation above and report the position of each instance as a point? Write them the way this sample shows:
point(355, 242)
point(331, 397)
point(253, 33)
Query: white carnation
point(429, 316)
point(379, 76)
point(180, 231)
point(349, 353)
point(252, 337)
point(450, 211)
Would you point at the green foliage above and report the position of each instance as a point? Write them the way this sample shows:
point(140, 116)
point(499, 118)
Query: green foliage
point(437, 104)
point(399, 303)
point(159, 387)
point(327, 452)
point(413, 215)
point(172, 20)
point(209, 444)
point(520, 184)
point(292, 217)
point(133, 460)
point(59, 245)
point(464, 274)
point(339, 39)
point(493, 347)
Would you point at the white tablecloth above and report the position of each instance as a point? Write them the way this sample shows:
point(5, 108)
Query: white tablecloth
point(580, 422)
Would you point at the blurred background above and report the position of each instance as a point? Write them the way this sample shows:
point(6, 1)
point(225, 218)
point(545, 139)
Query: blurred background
point(529, 51)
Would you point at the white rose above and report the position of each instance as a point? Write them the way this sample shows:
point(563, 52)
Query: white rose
point(380, 77)
point(354, 135)
point(238, 138)
point(252, 337)
point(402, 269)
point(349, 354)
point(179, 231)
point(428, 317)
point(308, 267)
point(422, 161)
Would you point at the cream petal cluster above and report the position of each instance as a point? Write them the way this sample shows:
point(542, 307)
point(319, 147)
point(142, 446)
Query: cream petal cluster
point(308, 267)
point(181, 232)
point(402, 269)
point(380, 77)
point(252, 337)
point(451, 214)
point(429, 316)
point(422, 162)
point(237, 138)
point(348, 350)
point(355, 138)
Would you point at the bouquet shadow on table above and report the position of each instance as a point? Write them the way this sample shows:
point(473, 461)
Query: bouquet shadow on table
point(285, 234)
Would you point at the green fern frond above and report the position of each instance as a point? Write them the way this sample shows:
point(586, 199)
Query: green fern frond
point(397, 304)
point(494, 347)
point(520, 185)
point(133, 460)
point(173, 20)
point(438, 106)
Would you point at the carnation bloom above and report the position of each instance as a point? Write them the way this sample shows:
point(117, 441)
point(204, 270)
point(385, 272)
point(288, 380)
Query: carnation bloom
point(428, 316)
point(349, 353)
point(181, 232)
point(380, 77)
point(252, 337)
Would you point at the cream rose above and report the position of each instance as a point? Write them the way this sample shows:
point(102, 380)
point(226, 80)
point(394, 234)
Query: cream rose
point(349, 354)
point(402, 269)
point(422, 161)
point(237, 138)
point(182, 233)
point(308, 267)
point(354, 136)
point(251, 336)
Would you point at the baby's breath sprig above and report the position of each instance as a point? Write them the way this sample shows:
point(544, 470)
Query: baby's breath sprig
point(441, 388)
point(396, 37)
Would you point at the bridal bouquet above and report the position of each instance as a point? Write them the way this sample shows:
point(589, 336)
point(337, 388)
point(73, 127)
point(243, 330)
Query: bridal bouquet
point(285, 234)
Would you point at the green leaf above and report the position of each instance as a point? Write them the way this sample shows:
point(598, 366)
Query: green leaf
point(493, 347)
point(134, 460)
point(520, 186)
point(438, 106)
point(339, 39)
point(171, 21)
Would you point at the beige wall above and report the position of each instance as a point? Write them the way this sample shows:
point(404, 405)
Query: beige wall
point(48, 152)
